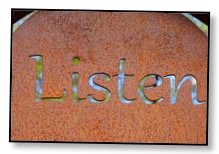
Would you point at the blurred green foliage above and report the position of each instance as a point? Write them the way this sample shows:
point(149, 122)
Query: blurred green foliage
point(197, 22)
point(21, 21)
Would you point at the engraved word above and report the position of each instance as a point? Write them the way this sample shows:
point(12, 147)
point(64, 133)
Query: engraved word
point(121, 77)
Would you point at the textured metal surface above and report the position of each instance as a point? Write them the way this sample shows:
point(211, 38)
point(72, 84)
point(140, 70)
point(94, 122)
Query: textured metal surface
point(151, 43)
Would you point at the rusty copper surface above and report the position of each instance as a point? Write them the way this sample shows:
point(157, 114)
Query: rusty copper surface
point(151, 43)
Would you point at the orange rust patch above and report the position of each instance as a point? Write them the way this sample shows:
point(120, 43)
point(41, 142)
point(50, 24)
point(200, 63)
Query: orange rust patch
point(151, 43)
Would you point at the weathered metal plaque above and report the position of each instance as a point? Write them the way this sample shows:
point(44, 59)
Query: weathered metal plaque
point(97, 76)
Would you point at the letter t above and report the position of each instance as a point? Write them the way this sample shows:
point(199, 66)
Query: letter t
point(121, 77)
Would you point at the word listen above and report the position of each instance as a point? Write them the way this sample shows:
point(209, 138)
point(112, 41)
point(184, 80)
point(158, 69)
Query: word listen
point(121, 77)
